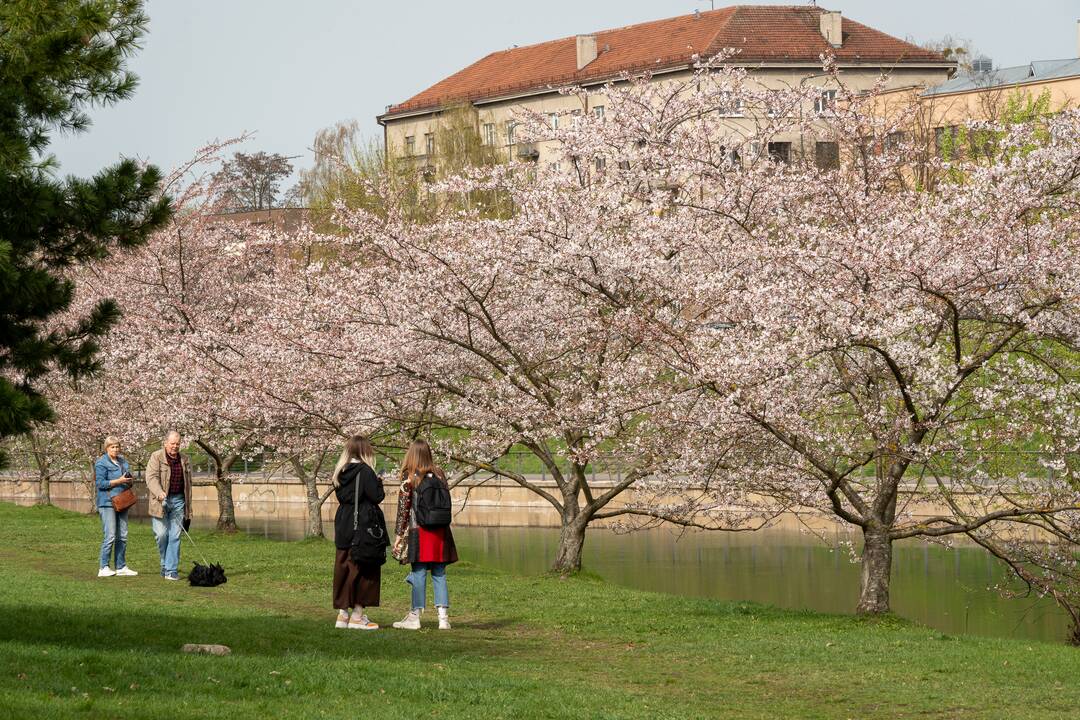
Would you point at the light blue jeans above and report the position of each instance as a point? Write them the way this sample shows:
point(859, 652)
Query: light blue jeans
point(167, 533)
point(418, 579)
point(114, 531)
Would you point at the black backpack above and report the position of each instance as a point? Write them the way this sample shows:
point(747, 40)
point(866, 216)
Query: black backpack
point(433, 507)
point(370, 538)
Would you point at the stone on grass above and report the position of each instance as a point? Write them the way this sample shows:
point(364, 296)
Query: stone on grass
point(209, 649)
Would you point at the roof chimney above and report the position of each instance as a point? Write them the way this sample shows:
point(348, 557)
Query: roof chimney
point(830, 28)
point(586, 50)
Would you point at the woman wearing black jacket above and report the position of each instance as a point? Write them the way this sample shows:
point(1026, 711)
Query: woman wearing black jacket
point(356, 586)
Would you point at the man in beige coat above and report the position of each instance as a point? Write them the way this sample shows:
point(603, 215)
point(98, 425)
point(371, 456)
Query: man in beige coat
point(168, 483)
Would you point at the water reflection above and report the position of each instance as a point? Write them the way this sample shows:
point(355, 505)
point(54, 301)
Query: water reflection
point(947, 589)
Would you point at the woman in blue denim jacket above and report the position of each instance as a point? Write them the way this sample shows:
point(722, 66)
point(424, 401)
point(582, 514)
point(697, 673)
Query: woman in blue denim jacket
point(111, 476)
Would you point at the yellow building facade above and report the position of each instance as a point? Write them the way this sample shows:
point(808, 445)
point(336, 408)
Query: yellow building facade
point(781, 47)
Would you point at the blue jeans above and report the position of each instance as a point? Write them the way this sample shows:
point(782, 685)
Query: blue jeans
point(167, 533)
point(114, 530)
point(418, 579)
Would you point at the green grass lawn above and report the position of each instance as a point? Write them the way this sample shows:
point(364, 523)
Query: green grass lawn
point(73, 645)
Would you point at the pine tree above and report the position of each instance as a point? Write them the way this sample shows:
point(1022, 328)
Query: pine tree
point(57, 59)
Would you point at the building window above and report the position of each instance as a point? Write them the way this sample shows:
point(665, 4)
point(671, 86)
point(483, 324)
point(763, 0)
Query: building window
point(780, 152)
point(894, 140)
point(774, 104)
point(601, 163)
point(826, 102)
point(598, 112)
point(553, 118)
point(489, 133)
point(624, 164)
point(945, 141)
point(827, 155)
point(511, 131)
point(429, 143)
point(553, 167)
point(730, 105)
point(410, 145)
point(575, 119)
point(982, 143)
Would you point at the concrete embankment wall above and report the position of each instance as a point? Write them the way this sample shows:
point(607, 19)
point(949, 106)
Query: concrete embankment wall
point(492, 503)
point(487, 504)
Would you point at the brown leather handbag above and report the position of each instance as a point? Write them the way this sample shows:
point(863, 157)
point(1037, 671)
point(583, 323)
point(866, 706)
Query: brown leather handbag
point(122, 501)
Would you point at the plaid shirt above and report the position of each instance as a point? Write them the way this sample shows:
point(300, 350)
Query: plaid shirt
point(176, 474)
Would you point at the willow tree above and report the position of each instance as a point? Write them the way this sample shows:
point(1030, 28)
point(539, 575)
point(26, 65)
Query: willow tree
point(354, 172)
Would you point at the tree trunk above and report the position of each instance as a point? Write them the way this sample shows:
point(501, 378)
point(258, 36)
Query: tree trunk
point(91, 487)
point(44, 487)
point(44, 472)
point(223, 483)
point(571, 542)
point(314, 525)
point(876, 571)
point(226, 510)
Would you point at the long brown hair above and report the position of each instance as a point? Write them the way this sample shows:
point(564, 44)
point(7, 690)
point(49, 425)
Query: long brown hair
point(357, 447)
point(418, 462)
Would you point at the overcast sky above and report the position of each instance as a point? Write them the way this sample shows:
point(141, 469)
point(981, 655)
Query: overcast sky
point(284, 69)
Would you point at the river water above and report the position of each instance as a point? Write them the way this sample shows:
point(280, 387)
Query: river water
point(948, 589)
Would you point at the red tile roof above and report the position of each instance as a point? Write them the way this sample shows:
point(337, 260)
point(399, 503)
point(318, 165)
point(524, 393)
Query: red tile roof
point(762, 34)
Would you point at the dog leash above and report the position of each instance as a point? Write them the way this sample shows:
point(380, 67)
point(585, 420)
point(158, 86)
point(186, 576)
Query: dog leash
point(196, 547)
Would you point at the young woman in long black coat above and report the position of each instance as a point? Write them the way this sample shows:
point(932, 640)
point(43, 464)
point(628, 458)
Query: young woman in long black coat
point(356, 586)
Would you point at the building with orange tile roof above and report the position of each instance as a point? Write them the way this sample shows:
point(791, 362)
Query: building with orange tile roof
point(781, 46)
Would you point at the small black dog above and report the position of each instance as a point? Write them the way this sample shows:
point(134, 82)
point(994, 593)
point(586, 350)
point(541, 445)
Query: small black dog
point(206, 575)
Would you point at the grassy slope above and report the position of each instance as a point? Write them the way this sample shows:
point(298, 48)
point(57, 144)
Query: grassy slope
point(73, 645)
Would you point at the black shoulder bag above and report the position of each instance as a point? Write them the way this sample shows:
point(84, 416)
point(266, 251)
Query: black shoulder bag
point(369, 542)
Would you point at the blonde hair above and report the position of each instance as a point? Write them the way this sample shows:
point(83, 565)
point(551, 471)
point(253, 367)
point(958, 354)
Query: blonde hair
point(109, 440)
point(359, 448)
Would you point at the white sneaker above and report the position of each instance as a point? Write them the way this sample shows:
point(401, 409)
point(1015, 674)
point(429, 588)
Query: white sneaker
point(359, 621)
point(126, 572)
point(444, 619)
point(106, 572)
point(411, 621)
point(342, 619)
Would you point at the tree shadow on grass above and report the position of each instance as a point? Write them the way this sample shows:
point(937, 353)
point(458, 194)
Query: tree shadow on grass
point(145, 631)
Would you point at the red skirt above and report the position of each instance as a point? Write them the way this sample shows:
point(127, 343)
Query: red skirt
point(431, 545)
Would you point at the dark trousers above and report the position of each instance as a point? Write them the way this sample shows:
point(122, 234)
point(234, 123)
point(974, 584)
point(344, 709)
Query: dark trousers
point(355, 585)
